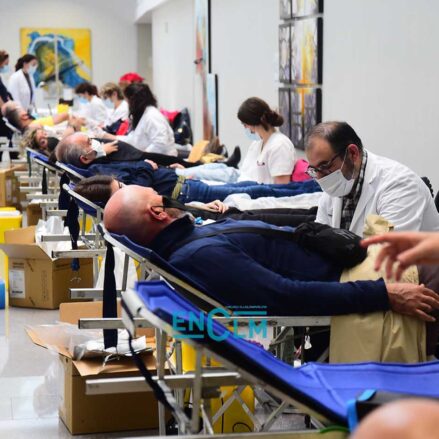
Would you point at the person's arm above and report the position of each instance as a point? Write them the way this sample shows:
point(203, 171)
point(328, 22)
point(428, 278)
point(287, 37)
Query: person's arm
point(282, 179)
point(402, 202)
point(235, 278)
point(60, 118)
point(405, 248)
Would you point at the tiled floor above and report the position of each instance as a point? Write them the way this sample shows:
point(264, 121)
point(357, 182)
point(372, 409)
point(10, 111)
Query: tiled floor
point(29, 382)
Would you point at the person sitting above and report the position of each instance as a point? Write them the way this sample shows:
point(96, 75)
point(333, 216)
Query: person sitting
point(116, 105)
point(77, 150)
point(92, 107)
point(357, 183)
point(151, 131)
point(245, 268)
point(100, 188)
point(22, 120)
point(270, 158)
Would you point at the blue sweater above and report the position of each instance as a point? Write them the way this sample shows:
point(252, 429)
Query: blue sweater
point(247, 269)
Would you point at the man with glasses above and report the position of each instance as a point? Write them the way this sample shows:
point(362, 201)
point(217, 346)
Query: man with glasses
point(357, 183)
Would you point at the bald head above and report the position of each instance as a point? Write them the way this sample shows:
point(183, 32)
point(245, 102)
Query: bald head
point(136, 212)
point(72, 148)
point(16, 115)
point(405, 419)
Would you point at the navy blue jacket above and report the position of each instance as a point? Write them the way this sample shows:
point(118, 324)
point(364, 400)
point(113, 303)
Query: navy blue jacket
point(162, 180)
point(247, 269)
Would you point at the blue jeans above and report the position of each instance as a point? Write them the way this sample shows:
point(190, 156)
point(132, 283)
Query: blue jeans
point(194, 190)
point(211, 171)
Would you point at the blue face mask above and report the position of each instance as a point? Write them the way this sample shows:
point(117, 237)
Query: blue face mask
point(250, 135)
point(5, 69)
point(109, 104)
point(32, 69)
point(82, 100)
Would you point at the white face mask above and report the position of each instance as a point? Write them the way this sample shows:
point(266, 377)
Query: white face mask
point(109, 104)
point(98, 147)
point(251, 135)
point(32, 69)
point(336, 184)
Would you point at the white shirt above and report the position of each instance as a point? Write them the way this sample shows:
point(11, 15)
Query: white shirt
point(152, 134)
point(264, 162)
point(119, 113)
point(20, 91)
point(390, 190)
point(95, 111)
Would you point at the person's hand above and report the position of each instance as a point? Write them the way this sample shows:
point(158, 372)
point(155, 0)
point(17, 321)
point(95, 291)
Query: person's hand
point(413, 300)
point(110, 147)
point(176, 166)
point(216, 206)
point(77, 122)
point(154, 165)
point(405, 248)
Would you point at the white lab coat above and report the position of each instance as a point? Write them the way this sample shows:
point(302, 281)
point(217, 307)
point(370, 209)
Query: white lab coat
point(95, 111)
point(119, 113)
point(152, 134)
point(390, 190)
point(19, 89)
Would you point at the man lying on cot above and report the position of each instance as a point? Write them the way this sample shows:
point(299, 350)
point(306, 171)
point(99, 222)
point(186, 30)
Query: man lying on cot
point(77, 150)
point(254, 267)
point(100, 188)
point(108, 151)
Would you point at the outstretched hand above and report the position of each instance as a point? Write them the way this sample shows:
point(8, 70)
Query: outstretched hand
point(403, 249)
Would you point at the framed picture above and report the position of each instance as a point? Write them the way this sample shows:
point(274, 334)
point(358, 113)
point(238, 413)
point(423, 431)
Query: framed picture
point(306, 111)
point(284, 110)
point(65, 53)
point(212, 105)
point(303, 8)
point(285, 53)
point(285, 9)
point(202, 36)
point(307, 51)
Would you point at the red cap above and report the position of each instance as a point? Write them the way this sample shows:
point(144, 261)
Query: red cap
point(131, 77)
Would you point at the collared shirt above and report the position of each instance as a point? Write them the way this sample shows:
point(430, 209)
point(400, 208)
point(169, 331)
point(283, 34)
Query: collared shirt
point(250, 269)
point(350, 201)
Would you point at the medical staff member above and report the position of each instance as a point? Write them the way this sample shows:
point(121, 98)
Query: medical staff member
point(116, 105)
point(271, 156)
point(4, 68)
point(21, 83)
point(357, 183)
point(151, 131)
point(92, 106)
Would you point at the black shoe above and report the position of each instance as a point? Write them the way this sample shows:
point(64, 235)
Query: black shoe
point(235, 158)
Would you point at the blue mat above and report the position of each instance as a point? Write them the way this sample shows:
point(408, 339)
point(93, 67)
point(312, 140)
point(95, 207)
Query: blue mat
point(324, 388)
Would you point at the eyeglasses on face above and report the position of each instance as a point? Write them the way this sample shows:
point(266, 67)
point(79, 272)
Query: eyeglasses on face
point(324, 168)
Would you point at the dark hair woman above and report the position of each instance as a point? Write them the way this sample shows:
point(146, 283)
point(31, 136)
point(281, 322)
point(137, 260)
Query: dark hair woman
point(92, 107)
point(271, 156)
point(151, 131)
point(21, 83)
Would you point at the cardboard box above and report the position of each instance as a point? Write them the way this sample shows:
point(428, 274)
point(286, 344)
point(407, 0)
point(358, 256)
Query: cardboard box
point(84, 414)
point(35, 279)
point(33, 214)
point(9, 187)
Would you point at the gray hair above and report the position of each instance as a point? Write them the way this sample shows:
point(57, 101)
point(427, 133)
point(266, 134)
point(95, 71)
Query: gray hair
point(69, 152)
point(13, 117)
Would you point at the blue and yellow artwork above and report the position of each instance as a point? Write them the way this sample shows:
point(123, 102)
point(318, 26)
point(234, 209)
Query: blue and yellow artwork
point(69, 49)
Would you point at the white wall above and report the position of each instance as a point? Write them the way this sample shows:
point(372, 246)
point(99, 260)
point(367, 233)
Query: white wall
point(244, 55)
point(244, 52)
point(113, 33)
point(381, 75)
point(173, 54)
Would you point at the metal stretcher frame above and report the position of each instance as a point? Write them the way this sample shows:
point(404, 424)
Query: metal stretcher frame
point(133, 309)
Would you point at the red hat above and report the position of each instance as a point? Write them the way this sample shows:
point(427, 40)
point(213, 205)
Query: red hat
point(131, 77)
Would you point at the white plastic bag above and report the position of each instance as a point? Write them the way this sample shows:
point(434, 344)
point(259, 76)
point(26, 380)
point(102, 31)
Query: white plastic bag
point(53, 226)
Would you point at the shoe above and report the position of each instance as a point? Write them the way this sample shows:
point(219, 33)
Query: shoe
point(235, 158)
